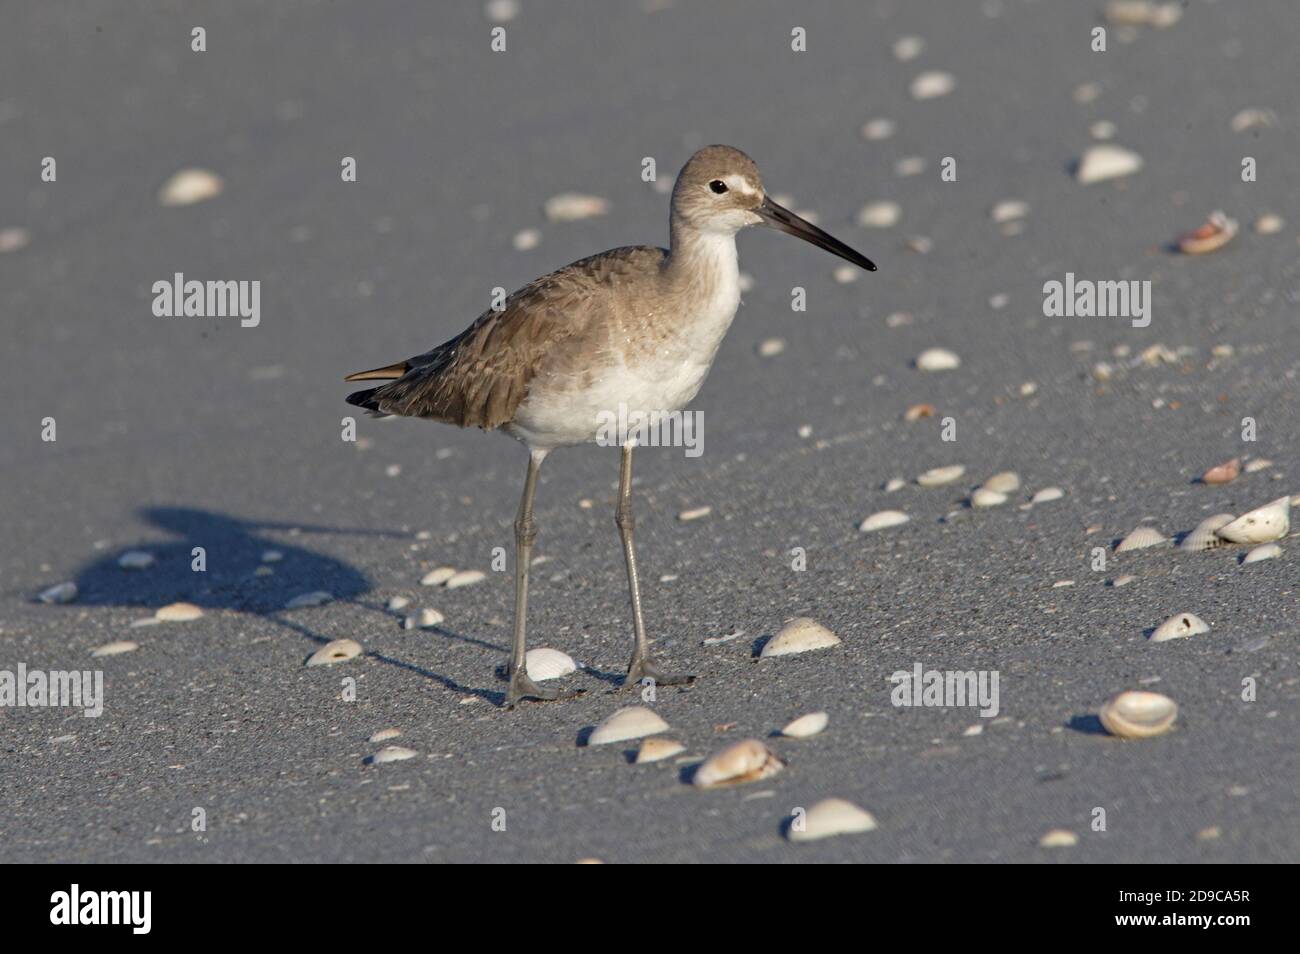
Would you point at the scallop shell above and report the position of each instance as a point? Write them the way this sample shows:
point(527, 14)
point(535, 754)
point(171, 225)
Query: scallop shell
point(832, 816)
point(631, 722)
point(1266, 552)
point(883, 521)
point(938, 476)
point(1224, 473)
point(392, 753)
point(806, 726)
point(1138, 714)
point(1047, 494)
point(799, 635)
point(1262, 525)
point(656, 750)
point(1006, 482)
point(340, 650)
point(178, 613)
point(983, 497)
point(543, 663)
point(745, 761)
point(1140, 539)
point(1178, 627)
point(1205, 537)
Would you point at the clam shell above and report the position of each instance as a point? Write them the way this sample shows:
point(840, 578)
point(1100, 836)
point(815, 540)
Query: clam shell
point(543, 663)
point(799, 635)
point(656, 750)
point(1204, 536)
point(983, 497)
point(806, 726)
point(1178, 627)
point(1224, 473)
point(1107, 161)
point(392, 753)
point(883, 521)
point(1140, 539)
point(938, 476)
point(745, 761)
point(178, 613)
point(340, 650)
point(631, 722)
point(1138, 714)
point(1047, 494)
point(1266, 552)
point(832, 816)
point(1262, 525)
point(1006, 482)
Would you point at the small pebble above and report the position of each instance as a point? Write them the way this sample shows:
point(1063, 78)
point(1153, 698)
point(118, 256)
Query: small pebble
point(908, 48)
point(1268, 551)
point(398, 603)
point(423, 619)
point(806, 726)
point(938, 476)
point(1009, 209)
point(1047, 494)
point(272, 556)
point(13, 238)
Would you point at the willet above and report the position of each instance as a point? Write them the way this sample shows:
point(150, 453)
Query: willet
point(633, 328)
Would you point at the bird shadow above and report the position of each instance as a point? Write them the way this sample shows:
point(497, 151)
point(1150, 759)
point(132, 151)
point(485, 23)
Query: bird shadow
point(1087, 724)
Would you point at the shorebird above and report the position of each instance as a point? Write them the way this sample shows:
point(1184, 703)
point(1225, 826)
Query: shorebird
point(636, 327)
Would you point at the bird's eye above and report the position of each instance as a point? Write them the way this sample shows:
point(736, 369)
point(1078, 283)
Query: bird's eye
point(718, 186)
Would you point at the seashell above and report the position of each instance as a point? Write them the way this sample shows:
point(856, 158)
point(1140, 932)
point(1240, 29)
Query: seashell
point(874, 130)
point(14, 238)
point(695, 513)
point(398, 603)
point(908, 47)
point(918, 411)
point(1204, 536)
point(1058, 838)
point(571, 207)
point(178, 613)
point(439, 576)
point(983, 497)
point(1269, 224)
point(1140, 539)
point(189, 186)
point(799, 635)
point(425, 618)
point(272, 556)
point(1178, 627)
point(806, 726)
point(1106, 161)
point(339, 650)
point(937, 359)
point(938, 476)
point(135, 560)
point(631, 722)
point(1123, 580)
point(1224, 473)
point(1047, 494)
point(1138, 714)
point(1143, 13)
point(383, 735)
point(932, 84)
point(1262, 525)
point(392, 753)
point(831, 816)
point(59, 593)
point(656, 750)
point(1008, 210)
point(315, 598)
point(892, 484)
point(543, 663)
point(1217, 232)
point(1266, 552)
point(116, 648)
point(745, 761)
point(465, 578)
point(883, 520)
point(880, 215)
point(1259, 463)
point(525, 240)
point(1006, 482)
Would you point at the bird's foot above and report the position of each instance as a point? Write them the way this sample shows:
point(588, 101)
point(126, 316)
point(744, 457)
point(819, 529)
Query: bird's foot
point(645, 667)
point(522, 687)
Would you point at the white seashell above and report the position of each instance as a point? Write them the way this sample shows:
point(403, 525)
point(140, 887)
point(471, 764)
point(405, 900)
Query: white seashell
point(116, 648)
point(501, 11)
point(908, 47)
point(937, 359)
point(831, 816)
point(1258, 464)
point(632, 722)
point(846, 274)
point(1006, 482)
point(1058, 838)
point(543, 663)
point(894, 483)
point(771, 347)
point(1138, 714)
point(1205, 535)
point(806, 726)
point(745, 761)
point(392, 753)
point(426, 618)
point(1224, 473)
point(1144, 13)
point(339, 650)
point(465, 578)
point(939, 476)
point(190, 186)
point(315, 598)
point(1262, 525)
point(983, 497)
point(439, 576)
point(880, 215)
point(571, 206)
point(178, 613)
point(13, 238)
point(1217, 232)
point(1178, 627)
point(398, 603)
point(874, 130)
point(883, 520)
point(135, 560)
point(695, 513)
point(932, 84)
point(1107, 161)
point(383, 735)
point(1047, 494)
point(656, 750)
point(525, 240)
point(1269, 224)
point(59, 593)
point(1008, 210)
point(1266, 552)
point(799, 635)
point(1140, 539)
point(1123, 580)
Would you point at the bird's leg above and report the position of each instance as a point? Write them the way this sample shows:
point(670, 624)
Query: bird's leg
point(642, 666)
point(522, 687)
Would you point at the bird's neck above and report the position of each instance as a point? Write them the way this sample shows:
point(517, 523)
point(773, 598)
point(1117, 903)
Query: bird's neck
point(704, 260)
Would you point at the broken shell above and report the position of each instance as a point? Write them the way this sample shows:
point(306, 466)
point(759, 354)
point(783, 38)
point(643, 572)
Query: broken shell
point(1205, 536)
point(340, 650)
point(1138, 714)
point(771, 347)
point(918, 411)
point(806, 726)
point(1266, 552)
point(883, 520)
point(892, 484)
point(1217, 232)
point(465, 578)
point(1006, 482)
point(831, 816)
point(426, 618)
point(571, 207)
point(1141, 538)
point(937, 359)
point(190, 186)
point(178, 613)
point(983, 497)
point(439, 576)
point(745, 761)
point(135, 560)
point(932, 84)
point(656, 750)
point(799, 635)
point(315, 598)
point(694, 513)
point(1058, 838)
point(938, 476)
point(1258, 464)
point(392, 753)
point(1106, 161)
point(383, 735)
point(1262, 525)
point(59, 593)
point(1178, 627)
point(631, 722)
point(116, 648)
point(1047, 494)
point(544, 663)
point(1224, 473)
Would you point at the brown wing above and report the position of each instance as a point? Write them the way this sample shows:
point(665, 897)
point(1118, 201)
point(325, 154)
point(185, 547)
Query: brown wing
point(480, 377)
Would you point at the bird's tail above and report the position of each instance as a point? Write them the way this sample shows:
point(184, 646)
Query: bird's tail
point(366, 399)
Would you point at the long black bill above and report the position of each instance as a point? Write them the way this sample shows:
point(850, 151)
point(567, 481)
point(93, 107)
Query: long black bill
point(786, 221)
